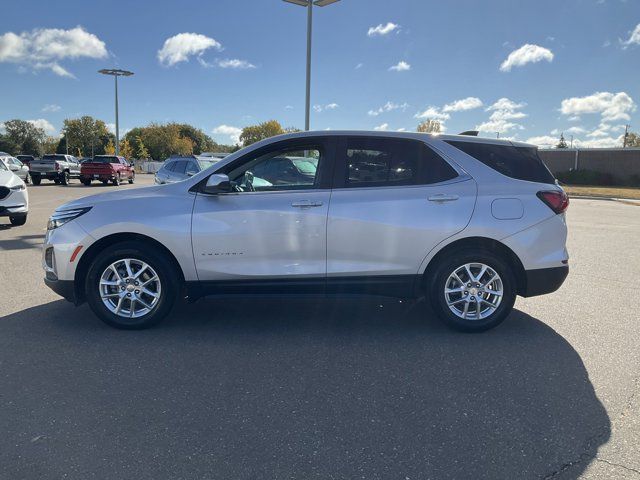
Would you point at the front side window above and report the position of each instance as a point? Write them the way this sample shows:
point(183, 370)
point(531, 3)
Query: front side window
point(179, 167)
point(389, 162)
point(292, 168)
point(192, 168)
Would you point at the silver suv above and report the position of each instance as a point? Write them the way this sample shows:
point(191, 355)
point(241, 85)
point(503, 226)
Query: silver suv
point(468, 223)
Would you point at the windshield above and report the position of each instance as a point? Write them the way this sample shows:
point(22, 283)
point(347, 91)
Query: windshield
point(306, 165)
point(105, 160)
point(206, 163)
point(52, 158)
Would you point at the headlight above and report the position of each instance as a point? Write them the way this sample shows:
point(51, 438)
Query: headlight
point(61, 217)
point(17, 188)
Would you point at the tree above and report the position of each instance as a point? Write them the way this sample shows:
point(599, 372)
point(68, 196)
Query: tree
point(141, 152)
point(562, 143)
point(633, 140)
point(126, 150)
point(429, 126)
point(200, 140)
point(50, 144)
point(26, 137)
point(87, 135)
point(255, 133)
point(161, 141)
point(8, 145)
point(110, 149)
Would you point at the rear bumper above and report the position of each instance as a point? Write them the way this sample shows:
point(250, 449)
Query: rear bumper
point(64, 288)
point(544, 280)
point(97, 176)
point(47, 175)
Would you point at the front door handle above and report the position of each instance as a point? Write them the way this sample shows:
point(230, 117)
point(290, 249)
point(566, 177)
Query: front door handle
point(306, 204)
point(443, 197)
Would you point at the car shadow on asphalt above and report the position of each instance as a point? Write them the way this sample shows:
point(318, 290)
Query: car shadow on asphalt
point(265, 388)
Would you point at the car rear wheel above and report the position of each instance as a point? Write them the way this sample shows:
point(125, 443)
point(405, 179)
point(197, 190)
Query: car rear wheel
point(473, 291)
point(27, 178)
point(64, 178)
point(36, 180)
point(131, 286)
point(86, 182)
point(132, 178)
point(116, 180)
point(18, 220)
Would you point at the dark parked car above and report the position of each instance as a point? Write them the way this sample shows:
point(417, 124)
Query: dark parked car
point(176, 169)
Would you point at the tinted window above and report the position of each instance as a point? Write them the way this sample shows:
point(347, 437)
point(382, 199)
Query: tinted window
point(167, 166)
point(53, 158)
point(280, 170)
point(179, 166)
point(105, 160)
point(522, 163)
point(378, 161)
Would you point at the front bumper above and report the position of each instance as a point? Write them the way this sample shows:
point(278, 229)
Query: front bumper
point(16, 204)
point(64, 288)
point(544, 280)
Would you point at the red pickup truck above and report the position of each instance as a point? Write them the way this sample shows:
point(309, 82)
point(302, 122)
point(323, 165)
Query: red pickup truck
point(106, 168)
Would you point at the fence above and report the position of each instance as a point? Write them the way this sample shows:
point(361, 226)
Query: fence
point(621, 163)
point(145, 166)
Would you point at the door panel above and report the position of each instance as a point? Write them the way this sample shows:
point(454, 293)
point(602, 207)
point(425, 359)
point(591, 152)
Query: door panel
point(259, 235)
point(389, 230)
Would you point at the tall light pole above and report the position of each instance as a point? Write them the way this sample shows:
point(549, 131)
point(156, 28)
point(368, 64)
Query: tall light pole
point(309, 5)
point(116, 73)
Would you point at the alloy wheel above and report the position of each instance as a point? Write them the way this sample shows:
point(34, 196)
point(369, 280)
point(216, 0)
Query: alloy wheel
point(130, 288)
point(473, 291)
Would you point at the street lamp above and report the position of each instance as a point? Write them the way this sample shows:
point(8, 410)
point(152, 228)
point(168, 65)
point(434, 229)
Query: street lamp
point(309, 4)
point(116, 73)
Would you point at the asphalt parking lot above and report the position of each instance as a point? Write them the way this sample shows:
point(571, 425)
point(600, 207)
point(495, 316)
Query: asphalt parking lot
point(325, 389)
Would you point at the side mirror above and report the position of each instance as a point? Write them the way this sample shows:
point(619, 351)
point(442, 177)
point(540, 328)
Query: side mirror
point(217, 183)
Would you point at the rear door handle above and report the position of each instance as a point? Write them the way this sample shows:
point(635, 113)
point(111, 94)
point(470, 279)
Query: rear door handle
point(306, 204)
point(443, 197)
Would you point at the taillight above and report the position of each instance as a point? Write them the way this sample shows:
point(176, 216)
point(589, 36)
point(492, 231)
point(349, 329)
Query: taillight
point(558, 201)
point(57, 167)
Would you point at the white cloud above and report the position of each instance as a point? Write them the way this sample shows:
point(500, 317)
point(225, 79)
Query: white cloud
point(44, 125)
point(180, 47)
point(232, 132)
point(468, 103)
point(359, 66)
point(288, 107)
point(235, 64)
point(526, 54)
point(611, 106)
point(382, 128)
point(603, 142)
point(544, 141)
point(329, 106)
point(44, 48)
point(401, 66)
point(433, 113)
point(504, 111)
point(381, 29)
point(634, 37)
point(51, 107)
point(388, 107)
point(576, 130)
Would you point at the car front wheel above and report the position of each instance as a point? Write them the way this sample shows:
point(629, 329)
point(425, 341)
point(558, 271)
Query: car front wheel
point(473, 291)
point(131, 286)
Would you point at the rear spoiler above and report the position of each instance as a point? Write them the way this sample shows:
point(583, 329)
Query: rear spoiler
point(470, 133)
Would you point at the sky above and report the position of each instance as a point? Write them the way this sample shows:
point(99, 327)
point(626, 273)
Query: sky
point(529, 70)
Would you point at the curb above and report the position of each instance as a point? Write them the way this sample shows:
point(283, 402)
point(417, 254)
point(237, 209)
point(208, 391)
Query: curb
point(629, 201)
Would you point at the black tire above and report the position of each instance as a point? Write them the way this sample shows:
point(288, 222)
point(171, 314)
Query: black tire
point(448, 265)
point(56, 181)
point(116, 180)
point(132, 179)
point(105, 182)
point(18, 221)
point(86, 183)
point(36, 180)
point(165, 270)
point(65, 178)
point(27, 179)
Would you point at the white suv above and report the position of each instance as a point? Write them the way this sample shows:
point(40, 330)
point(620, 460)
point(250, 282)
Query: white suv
point(467, 222)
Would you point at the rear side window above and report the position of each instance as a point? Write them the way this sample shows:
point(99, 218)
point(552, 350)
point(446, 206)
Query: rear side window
point(522, 163)
point(389, 162)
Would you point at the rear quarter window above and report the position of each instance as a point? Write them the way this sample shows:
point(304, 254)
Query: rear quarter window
point(521, 163)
